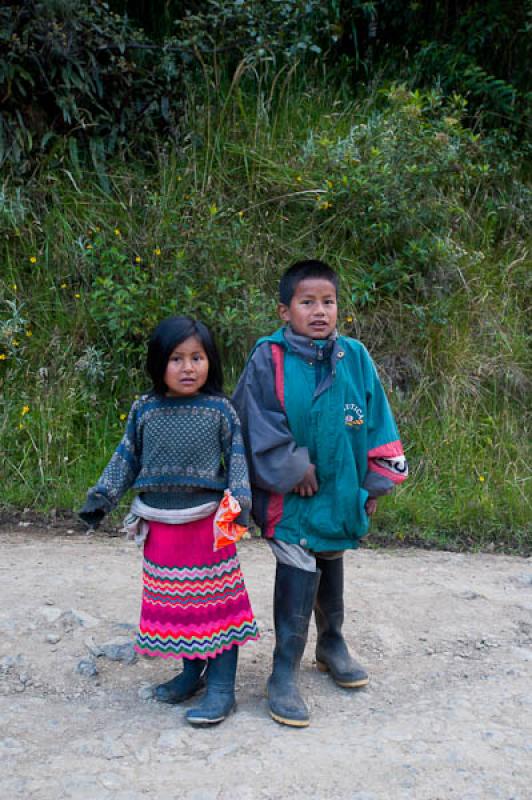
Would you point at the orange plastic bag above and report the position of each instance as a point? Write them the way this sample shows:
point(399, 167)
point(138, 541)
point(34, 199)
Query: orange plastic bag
point(226, 531)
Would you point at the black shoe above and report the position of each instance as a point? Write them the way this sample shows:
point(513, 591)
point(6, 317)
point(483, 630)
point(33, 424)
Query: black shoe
point(332, 654)
point(184, 685)
point(219, 700)
point(295, 591)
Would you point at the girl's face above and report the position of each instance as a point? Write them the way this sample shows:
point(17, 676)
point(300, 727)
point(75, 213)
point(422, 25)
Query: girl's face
point(187, 369)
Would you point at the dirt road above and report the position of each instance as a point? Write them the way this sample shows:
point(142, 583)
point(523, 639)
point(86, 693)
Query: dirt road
point(446, 638)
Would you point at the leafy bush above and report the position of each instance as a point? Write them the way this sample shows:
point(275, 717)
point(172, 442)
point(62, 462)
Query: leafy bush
point(76, 70)
point(396, 191)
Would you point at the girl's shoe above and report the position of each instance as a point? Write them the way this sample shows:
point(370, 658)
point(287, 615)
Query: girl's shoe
point(184, 685)
point(219, 700)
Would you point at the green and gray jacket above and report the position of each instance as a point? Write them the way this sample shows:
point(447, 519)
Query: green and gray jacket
point(303, 401)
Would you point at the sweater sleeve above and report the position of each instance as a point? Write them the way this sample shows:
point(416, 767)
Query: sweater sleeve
point(277, 464)
point(387, 465)
point(235, 462)
point(119, 474)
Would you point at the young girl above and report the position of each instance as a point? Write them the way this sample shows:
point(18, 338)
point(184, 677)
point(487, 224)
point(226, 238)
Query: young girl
point(182, 448)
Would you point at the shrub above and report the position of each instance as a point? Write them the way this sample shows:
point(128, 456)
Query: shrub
point(76, 70)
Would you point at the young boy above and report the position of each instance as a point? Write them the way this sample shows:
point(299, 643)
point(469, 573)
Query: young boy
point(322, 445)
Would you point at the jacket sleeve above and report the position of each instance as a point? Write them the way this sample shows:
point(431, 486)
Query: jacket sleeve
point(387, 465)
point(277, 464)
point(119, 474)
point(235, 463)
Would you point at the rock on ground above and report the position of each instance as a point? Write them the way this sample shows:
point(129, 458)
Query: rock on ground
point(446, 639)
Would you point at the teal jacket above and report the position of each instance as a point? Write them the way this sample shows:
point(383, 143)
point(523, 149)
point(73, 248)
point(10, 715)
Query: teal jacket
point(300, 402)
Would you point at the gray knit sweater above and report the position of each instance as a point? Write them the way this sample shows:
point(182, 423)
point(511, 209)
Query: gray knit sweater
point(176, 453)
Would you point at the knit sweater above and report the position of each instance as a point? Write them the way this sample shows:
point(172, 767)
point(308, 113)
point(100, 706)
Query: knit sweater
point(176, 453)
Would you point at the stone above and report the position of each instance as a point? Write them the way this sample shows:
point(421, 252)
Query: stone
point(146, 692)
point(118, 650)
point(75, 619)
point(7, 663)
point(87, 667)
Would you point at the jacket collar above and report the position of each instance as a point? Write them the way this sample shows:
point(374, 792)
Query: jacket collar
point(307, 348)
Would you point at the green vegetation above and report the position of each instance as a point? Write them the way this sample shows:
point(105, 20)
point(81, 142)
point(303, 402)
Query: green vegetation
point(425, 215)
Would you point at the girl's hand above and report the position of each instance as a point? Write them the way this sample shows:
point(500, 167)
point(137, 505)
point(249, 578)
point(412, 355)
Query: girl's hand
point(91, 518)
point(308, 485)
point(371, 505)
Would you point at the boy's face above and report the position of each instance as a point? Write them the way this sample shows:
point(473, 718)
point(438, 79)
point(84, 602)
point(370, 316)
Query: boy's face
point(312, 311)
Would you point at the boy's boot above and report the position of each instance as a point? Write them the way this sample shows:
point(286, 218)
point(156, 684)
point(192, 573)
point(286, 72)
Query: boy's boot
point(332, 654)
point(184, 685)
point(295, 592)
point(219, 699)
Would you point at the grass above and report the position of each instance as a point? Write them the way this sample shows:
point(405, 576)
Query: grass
point(426, 223)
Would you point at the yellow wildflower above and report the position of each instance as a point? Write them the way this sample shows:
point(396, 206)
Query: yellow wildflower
point(138, 259)
point(63, 286)
point(117, 232)
point(89, 247)
point(77, 296)
point(3, 356)
point(213, 209)
point(299, 179)
point(157, 251)
point(122, 417)
point(481, 478)
point(240, 214)
point(349, 318)
point(14, 287)
point(33, 260)
point(25, 410)
point(15, 342)
point(29, 333)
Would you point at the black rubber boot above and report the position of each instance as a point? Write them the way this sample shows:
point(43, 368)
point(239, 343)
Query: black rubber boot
point(219, 699)
point(295, 592)
point(332, 654)
point(184, 685)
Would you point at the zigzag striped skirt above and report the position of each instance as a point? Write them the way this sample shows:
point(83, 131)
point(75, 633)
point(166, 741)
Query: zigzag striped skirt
point(194, 601)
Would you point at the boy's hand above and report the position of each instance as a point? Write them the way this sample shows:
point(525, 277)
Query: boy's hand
point(308, 485)
point(371, 505)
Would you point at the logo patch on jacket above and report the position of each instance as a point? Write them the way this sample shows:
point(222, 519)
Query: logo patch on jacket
point(353, 415)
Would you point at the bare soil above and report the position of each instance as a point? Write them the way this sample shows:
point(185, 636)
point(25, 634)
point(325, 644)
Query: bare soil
point(446, 638)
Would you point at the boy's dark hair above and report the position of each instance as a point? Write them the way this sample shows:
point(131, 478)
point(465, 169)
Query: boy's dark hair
point(165, 338)
point(300, 271)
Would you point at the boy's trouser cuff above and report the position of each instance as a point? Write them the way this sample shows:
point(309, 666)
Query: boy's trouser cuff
point(293, 555)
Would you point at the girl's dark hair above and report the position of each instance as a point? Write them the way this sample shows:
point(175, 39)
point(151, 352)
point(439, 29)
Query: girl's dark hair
point(165, 338)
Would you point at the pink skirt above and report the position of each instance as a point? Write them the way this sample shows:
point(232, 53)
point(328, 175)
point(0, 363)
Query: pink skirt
point(194, 601)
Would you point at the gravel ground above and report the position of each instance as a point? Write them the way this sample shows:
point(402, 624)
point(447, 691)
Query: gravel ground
point(446, 638)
